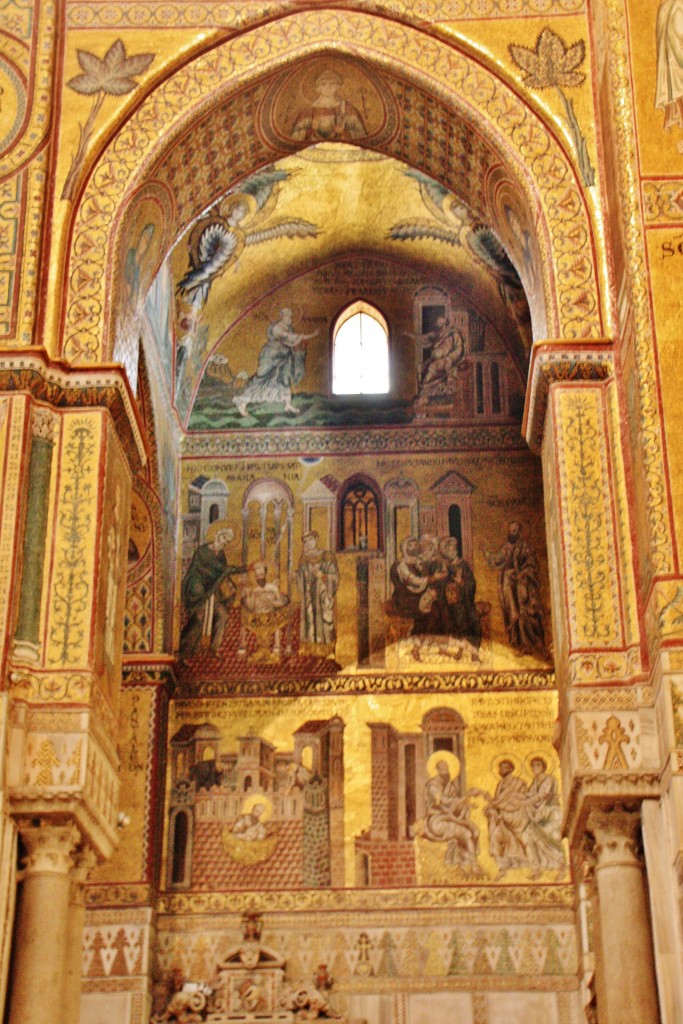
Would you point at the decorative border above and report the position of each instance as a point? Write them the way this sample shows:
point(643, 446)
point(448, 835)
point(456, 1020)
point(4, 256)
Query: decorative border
point(237, 16)
point(356, 685)
point(24, 168)
point(474, 93)
point(662, 201)
point(458, 896)
point(130, 894)
point(379, 440)
point(651, 435)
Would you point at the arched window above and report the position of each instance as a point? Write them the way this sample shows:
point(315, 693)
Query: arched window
point(360, 351)
point(360, 522)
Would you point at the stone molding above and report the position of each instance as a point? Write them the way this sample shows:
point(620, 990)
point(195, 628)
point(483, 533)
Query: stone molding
point(149, 671)
point(119, 895)
point(600, 790)
point(53, 382)
point(616, 835)
point(555, 362)
point(50, 846)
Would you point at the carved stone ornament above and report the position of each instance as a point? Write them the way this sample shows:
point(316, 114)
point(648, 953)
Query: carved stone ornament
point(249, 985)
point(50, 847)
point(44, 424)
point(85, 861)
point(616, 833)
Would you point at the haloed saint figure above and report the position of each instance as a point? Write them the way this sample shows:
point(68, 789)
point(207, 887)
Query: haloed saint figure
point(329, 117)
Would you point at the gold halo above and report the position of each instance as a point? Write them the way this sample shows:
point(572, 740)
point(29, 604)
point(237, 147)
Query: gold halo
point(223, 524)
point(258, 798)
point(550, 761)
point(443, 755)
point(504, 757)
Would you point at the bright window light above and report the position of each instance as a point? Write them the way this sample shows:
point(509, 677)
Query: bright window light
point(361, 352)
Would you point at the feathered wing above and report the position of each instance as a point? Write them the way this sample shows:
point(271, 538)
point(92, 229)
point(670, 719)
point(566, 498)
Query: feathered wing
point(216, 244)
point(286, 227)
point(433, 194)
point(484, 244)
point(263, 187)
point(408, 230)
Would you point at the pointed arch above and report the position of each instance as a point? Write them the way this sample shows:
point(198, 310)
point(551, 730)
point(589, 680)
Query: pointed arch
point(473, 108)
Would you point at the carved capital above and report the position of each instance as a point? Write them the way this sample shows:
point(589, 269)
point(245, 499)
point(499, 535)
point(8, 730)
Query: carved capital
point(616, 837)
point(85, 861)
point(50, 846)
point(44, 423)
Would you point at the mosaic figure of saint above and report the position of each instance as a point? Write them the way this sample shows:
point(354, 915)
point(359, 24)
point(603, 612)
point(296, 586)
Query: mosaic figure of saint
point(132, 269)
point(249, 825)
point(318, 579)
point(462, 617)
point(329, 117)
point(208, 593)
point(507, 816)
point(543, 833)
point(447, 819)
point(446, 354)
point(669, 90)
point(281, 363)
point(263, 596)
point(519, 590)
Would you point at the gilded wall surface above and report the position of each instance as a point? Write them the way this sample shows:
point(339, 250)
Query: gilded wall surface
point(375, 654)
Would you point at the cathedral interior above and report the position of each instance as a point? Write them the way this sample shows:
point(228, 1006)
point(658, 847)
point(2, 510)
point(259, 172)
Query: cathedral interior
point(341, 613)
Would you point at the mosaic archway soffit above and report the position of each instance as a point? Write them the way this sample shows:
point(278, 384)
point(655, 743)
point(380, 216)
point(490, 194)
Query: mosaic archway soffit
point(474, 95)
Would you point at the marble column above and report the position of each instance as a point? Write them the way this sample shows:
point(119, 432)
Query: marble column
point(624, 955)
point(40, 947)
point(85, 860)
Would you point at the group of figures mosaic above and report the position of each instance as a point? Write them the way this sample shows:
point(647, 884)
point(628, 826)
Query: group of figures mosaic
point(414, 591)
point(260, 814)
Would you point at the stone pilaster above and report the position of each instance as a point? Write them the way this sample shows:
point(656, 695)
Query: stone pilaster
point(626, 983)
point(42, 926)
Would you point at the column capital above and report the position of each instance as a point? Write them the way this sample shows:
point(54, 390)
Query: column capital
point(561, 361)
point(84, 861)
point(616, 836)
point(50, 846)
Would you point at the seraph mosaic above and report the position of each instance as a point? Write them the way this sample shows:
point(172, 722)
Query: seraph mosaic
point(438, 279)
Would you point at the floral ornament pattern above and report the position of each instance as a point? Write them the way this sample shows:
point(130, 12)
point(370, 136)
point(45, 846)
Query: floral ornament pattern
point(112, 75)
point(554, 64)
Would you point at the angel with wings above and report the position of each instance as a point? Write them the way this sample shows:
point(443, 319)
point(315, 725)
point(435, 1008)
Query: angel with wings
point(216, 242)
point(242, 219)
point(452, 224)
point(449, 215)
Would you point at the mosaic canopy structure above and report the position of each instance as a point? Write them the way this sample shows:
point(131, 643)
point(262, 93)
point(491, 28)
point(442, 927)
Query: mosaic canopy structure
point(341, 601)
